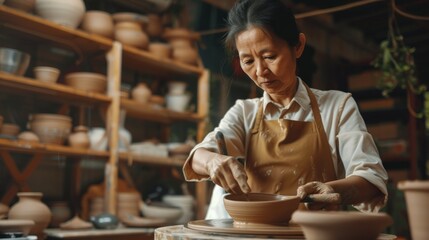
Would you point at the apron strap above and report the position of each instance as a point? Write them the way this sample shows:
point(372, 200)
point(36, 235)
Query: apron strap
point(315, 108)
point(258, 119)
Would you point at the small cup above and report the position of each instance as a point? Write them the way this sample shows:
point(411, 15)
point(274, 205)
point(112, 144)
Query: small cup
point(46, 74)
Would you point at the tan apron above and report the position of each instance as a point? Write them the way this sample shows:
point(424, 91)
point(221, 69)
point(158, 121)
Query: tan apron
point(284, 154)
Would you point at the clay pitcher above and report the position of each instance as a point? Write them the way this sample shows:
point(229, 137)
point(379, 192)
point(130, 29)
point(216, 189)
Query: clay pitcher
point(31, 207)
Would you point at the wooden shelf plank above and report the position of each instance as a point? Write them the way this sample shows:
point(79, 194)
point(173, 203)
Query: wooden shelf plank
point(49, 149)
point(153, 160)
point(157, 114)
point(59, 92)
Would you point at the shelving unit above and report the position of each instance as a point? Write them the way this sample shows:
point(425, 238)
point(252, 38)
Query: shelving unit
point(117, 56)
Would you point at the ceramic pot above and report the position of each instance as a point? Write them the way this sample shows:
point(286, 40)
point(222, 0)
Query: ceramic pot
point(154, 27)
point(182, 40)
point(141, 93)
point(60, 213)
point(98, 139)
point(46, 74)
point(50, 128)
point(30, 207)
point(68, 13)
point(23, 5)
point(28, 136)
point(160, 50)
point(98, 22)
point(131, 33)
point(87, 81)
point(80, 138)
point(177, 102)
point(417, 198)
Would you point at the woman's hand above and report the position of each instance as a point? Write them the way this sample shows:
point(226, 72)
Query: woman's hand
point(317, 188)
point(229, 173)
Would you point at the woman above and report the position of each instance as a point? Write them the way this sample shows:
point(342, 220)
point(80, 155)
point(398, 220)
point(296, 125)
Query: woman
point(295, 140)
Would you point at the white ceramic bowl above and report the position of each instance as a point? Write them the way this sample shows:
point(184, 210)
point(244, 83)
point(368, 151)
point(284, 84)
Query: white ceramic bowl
point(157, 210)
point(68, 13)
point(178, 103)
point(340, 225)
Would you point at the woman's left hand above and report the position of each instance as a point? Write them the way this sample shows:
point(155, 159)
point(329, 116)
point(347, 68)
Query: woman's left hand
point(317, 188)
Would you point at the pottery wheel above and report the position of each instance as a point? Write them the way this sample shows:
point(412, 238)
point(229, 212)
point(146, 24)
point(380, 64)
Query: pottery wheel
point(228, 226)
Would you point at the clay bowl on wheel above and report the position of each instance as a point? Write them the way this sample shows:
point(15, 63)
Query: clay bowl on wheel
point(261, 208)
point(340, 225)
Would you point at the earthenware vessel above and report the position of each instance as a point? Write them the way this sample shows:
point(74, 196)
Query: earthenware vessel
point(178, 102)
point(260, 208)
point(68, 13)
point(60, 213)
point(50, 128)
point(87, 81)
point(79, 138)
point(160, 50)
point(417, 198)
point(141, 93)
point(31, 207)
point(183, 42)
point(131, 33)
point(340, 225)
point(98, 22)
point(28, 136)
point(46, 74)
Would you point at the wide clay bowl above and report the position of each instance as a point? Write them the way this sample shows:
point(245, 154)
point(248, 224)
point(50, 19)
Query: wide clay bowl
point(87, 81)
point(260, 208)
point(340, 225)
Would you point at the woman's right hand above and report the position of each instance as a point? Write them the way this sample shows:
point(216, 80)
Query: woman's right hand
point(229, 173)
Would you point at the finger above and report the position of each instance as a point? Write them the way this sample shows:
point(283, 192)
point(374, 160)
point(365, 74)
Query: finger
point(307, 188)
point(241, 177)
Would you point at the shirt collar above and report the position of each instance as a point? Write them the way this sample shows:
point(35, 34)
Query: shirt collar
point(301, 97)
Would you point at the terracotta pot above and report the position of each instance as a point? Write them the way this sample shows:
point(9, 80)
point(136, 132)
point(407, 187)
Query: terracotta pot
point(28, 136)
point(9, 129)
point(60, 213)
point(417, 199)
point(141, 93)
point(182, 40)
point(160, 50)
point(131, 33)
point(98, 22)
point(46, 74)
point(50, 128)
point(154, 27)
point(23, 5)
point(30, 207)
point(80, 138)
point(68, 13)
point(87, 81)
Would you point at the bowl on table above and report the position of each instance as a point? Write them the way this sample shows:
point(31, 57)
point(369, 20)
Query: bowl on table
point(261, 208)
point(14, 61)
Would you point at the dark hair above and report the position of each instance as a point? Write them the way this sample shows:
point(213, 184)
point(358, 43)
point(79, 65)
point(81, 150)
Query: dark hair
point(272, 15)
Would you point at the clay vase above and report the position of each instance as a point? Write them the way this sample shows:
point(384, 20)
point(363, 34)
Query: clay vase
point(60, 213)
point(30, 207)
point(141, 93)
point(131, 33)
point(182, 40)
point(98, 22)
point(80, 138)
point(417, 199)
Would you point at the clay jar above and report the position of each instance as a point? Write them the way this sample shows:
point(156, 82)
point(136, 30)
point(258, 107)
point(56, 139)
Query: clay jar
point(79, 138)
point(98, 22)
point(131, 33)
point(64, 12)
point(141, 93)
point(182, 40)
point(30, 207)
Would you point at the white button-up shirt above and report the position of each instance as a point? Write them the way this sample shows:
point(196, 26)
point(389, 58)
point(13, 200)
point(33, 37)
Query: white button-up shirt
point(353, 150)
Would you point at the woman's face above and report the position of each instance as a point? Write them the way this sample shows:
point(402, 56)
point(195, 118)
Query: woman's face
point(269, 61)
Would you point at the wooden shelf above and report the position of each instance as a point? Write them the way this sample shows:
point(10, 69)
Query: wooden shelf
point(157, 114)
point(50, 149)
point(58, 92)
point(83, 42)
point(153, 160)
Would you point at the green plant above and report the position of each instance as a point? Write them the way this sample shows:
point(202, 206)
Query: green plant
point(396, 63)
